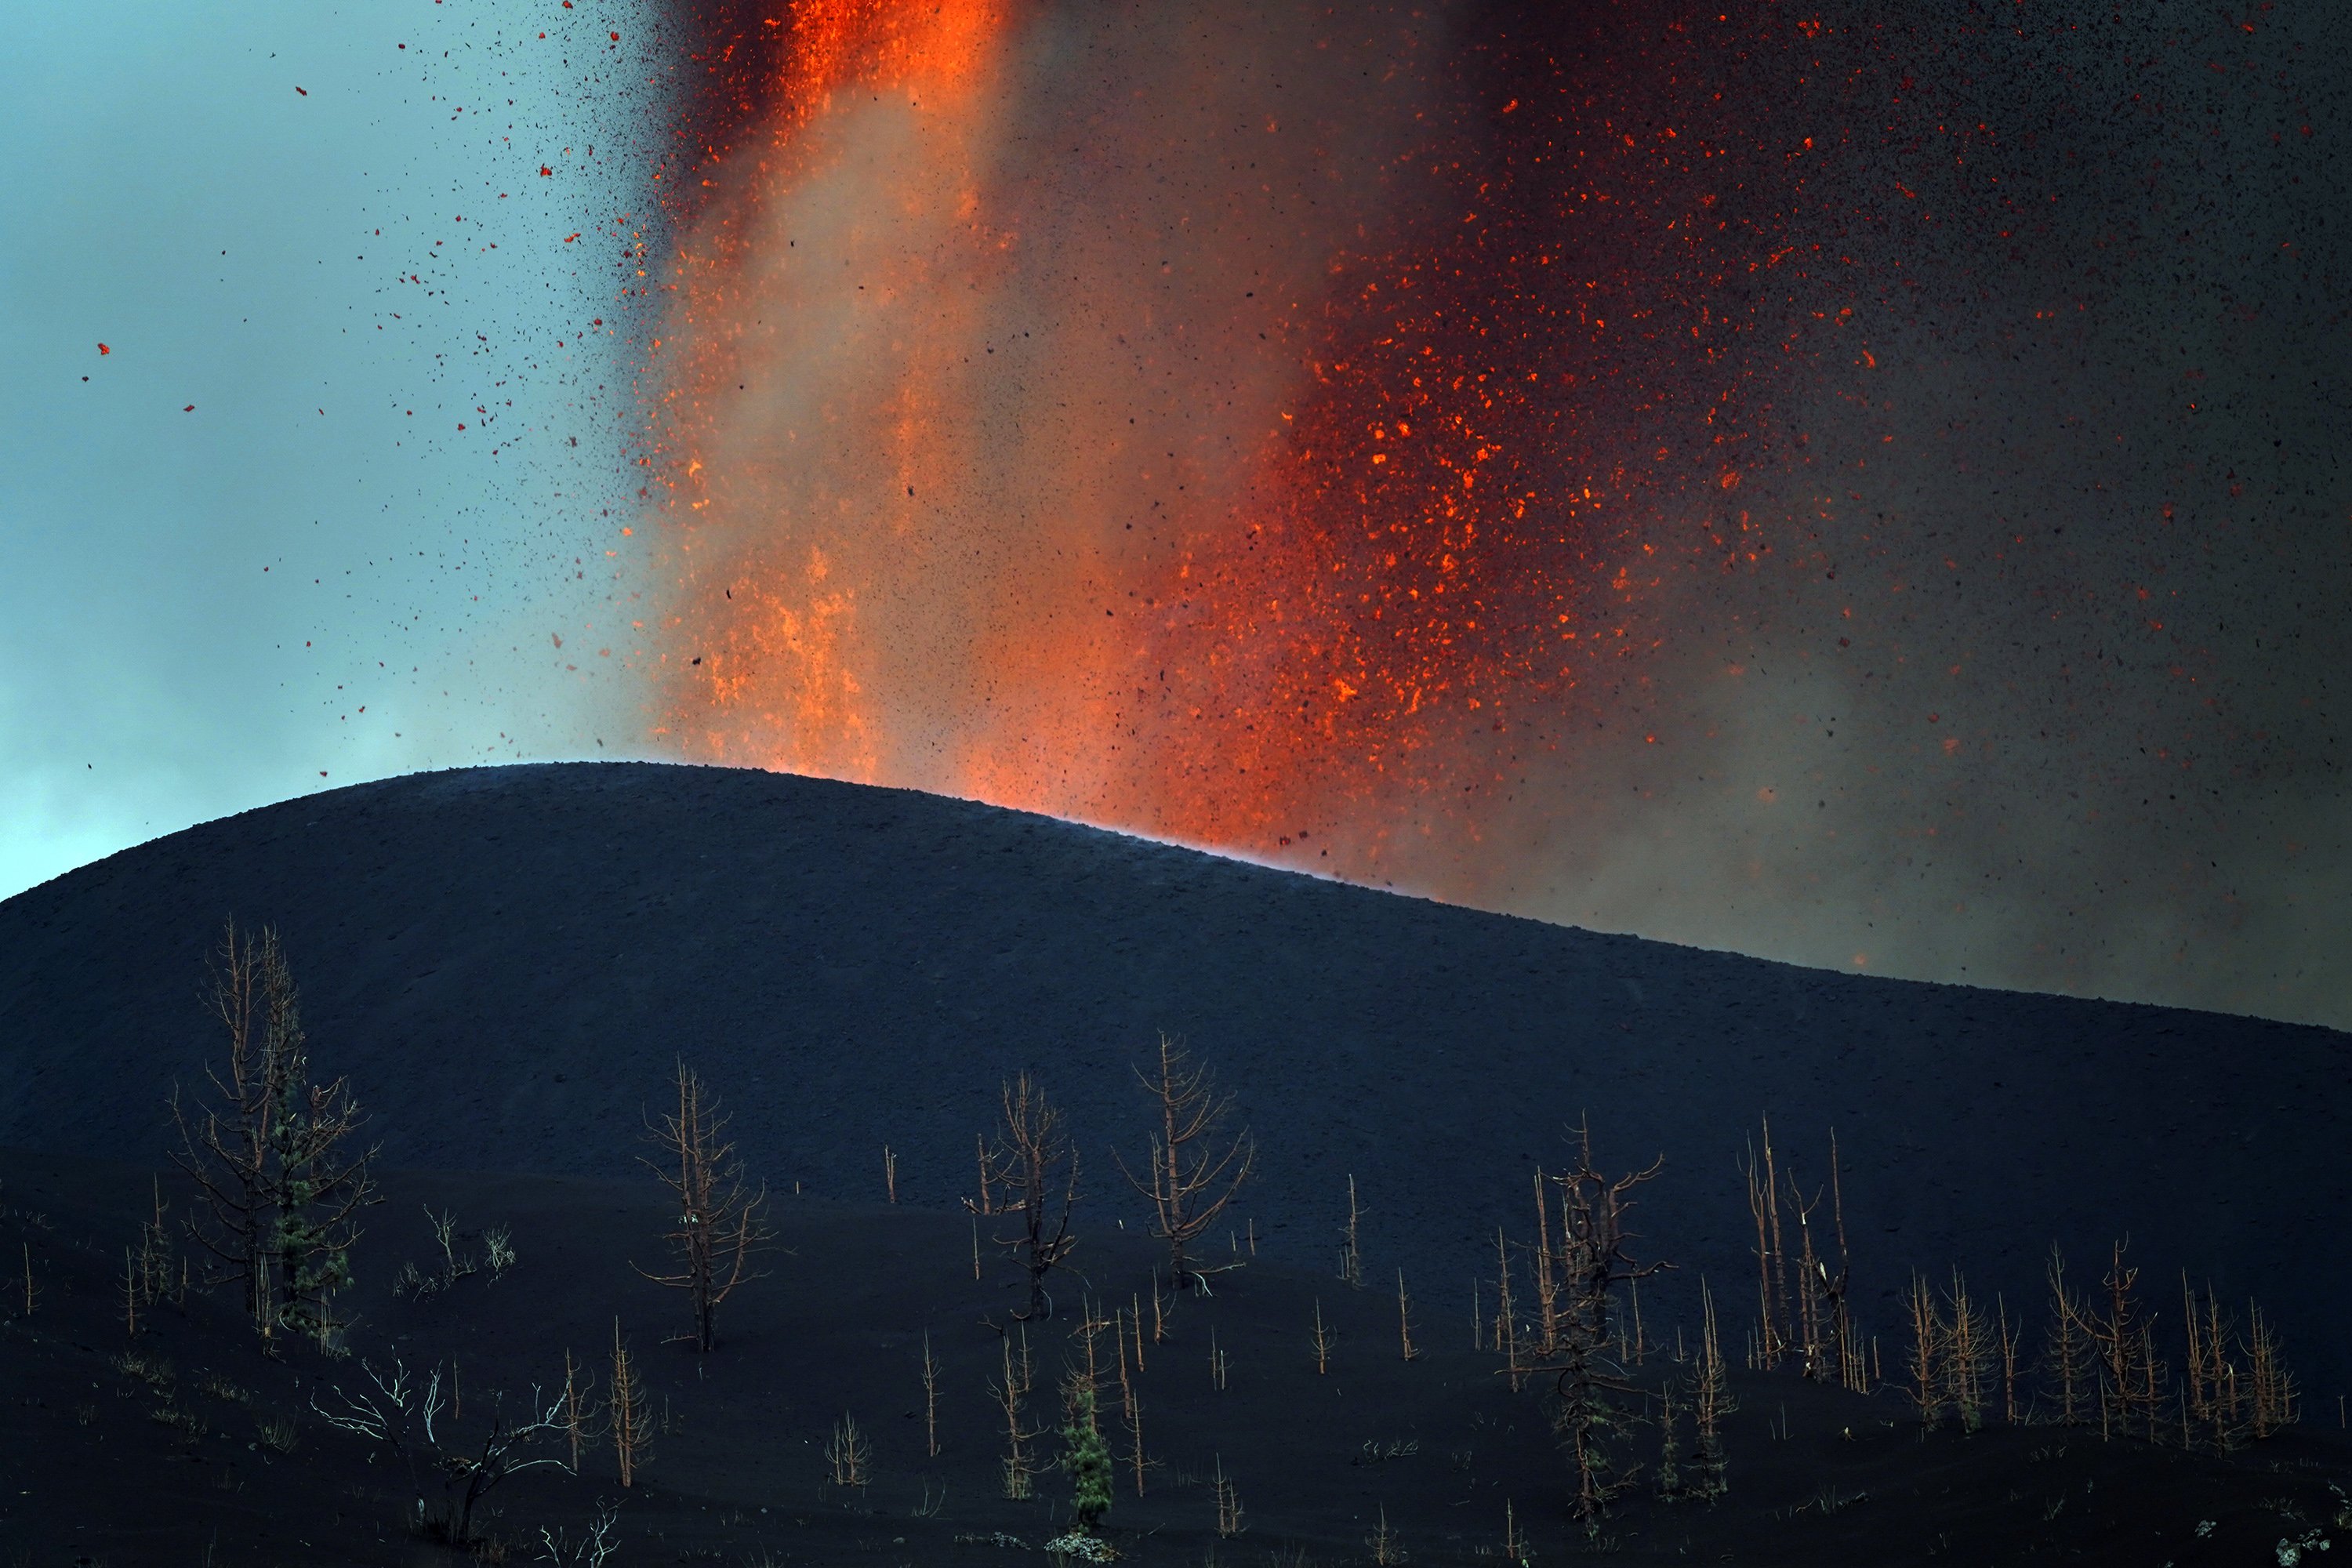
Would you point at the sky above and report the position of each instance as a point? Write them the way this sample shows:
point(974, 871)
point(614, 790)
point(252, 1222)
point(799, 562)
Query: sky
point(1862, 487)
point(251, 553)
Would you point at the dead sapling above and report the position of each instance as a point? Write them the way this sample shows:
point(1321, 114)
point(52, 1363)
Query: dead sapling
point(930, 1398)
point(627, 1420)
point(2274, 1400)
point(720, 1223)
point(1036, 1169)
point(1404, 1320)
point(1020, 1465)
point(1930, 1386)
point(1507, 1322)
point(1711, 1405)
point(270, 1153)
point(2066, 1366)
point(1194, 1171)
point(156, 1274)
point(1803, 1310)
point(593, 1548)
point(848, 1457)
point(1351, 1251)
point(579, 1409)
point(1516, 1546)
point(1130, 1404)
point(2009, 1332)
point(2209, 1388)
point(410, 1419)
point(2123, 1340)
point(1229, 1502)
point(1835, 1291)
point(1774, 1319)
point(1967, 1355)
point(396, 1410)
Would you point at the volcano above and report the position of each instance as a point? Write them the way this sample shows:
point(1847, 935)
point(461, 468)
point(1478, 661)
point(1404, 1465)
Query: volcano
point(509, 964)
point(506, 961)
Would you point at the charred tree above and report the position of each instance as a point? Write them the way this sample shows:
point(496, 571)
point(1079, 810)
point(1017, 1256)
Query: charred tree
point(1034, 1170)
point(2066, 1350)
point(2122, 1334)
point(719, 1222)
point(1593, 1412)
point(1192, 1178)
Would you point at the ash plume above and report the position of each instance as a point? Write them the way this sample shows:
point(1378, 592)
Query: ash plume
point(1855, 488)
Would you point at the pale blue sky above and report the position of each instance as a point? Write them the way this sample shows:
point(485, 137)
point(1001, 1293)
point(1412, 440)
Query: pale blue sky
point(196, 606)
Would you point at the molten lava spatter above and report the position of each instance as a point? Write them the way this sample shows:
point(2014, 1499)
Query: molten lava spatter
point(1021, 451)
point(1717, 472)
point(870, 113)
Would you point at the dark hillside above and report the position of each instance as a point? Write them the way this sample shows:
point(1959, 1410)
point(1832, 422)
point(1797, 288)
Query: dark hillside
point(185, 1444)
point(506, 961)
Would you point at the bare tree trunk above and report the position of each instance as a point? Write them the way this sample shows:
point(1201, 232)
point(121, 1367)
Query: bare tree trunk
point(1033, 1157)
point(720, 1224)
point(1190, 1182)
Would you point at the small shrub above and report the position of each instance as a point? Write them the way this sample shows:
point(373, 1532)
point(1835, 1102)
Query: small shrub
point(847, 1454)
point(593, 1545)
point(184, 1422)
point(1087, 1458)
point(220, 1388)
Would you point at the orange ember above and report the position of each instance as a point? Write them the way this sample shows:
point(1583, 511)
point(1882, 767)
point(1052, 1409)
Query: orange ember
point(1230, 436)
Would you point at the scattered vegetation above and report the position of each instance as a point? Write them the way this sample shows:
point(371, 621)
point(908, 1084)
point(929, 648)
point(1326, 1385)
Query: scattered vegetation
point(455, 1262)
point(271, 1158)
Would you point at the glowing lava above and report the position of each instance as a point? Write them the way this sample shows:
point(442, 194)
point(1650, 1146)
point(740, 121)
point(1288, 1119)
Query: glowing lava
point(1249, 432)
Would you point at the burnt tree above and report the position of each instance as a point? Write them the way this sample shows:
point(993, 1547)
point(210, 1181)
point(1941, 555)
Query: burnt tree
point(719, 1223)
point(1592, 1412)
point(1191, 1178)
point(1034, 1169)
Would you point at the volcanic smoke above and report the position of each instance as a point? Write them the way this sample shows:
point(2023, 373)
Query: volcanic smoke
point(1482, 450)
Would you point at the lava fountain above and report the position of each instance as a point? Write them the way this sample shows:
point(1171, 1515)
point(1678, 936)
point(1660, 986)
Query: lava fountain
point(1259, 430)
point(1718, 472)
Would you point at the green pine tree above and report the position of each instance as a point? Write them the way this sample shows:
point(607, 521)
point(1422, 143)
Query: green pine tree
point(1087, 1458)
point(1670, 1454)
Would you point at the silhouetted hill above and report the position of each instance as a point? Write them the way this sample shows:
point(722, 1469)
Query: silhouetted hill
point(506, 961)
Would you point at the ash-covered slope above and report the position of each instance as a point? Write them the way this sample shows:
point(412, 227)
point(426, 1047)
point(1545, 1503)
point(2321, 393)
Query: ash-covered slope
point(507, 961)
